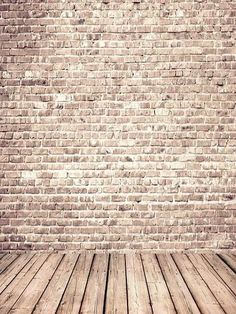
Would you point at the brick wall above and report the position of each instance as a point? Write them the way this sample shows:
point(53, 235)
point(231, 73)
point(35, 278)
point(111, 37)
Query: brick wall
point(118, 125)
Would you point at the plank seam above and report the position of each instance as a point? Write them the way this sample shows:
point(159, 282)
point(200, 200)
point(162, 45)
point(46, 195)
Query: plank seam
point(206, 284)
point(47, 284)
point(126, 285)
point(29, 282)
point(5, 269)
point(106, 285)
point(150, 301)
point(67, 283)
point(225, 261)
point(24, 265)
point(186, 283)
point(82, 299)
point(3, 254)
point(166, 283)
point(225, 283)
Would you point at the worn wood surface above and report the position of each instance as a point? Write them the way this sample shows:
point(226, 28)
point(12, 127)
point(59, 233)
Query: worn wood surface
point(121, 284)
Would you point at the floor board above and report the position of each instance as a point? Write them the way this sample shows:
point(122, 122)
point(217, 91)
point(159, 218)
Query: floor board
point(13, 269)
point(93, 300)
point(181, 296)
point(219, 289)
point(116, 298)
point(229, 260)
point(73, 296)
point(222, 269)
point(138, 296)
point(159, 294)
point(116, 283)
point(51, 297)
point(203, 296)
point(31, 295)
point(10, 295)
point(6, 261)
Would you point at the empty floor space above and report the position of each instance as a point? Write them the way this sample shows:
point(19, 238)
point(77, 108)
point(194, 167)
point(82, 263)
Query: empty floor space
point(117, 283)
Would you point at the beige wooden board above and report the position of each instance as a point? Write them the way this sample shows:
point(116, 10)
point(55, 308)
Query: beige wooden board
point(116, 300)
point(93, 301)
point(159, 294)
point(181, 296)
point(72, 298)
point(132, 283)
point(20, 282)
point(138, 301)
point(233, 256)
point(1, 255)
point(225, 272)
point(31, 295)
point(220, 290)
point(51, 297)
point(6, 261)
point(200, 291)
point(229, 260)
point(7, 276)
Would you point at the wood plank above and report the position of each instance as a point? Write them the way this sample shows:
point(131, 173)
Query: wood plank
point(20, 282)
point(181, 296)
point(222, 269)
point(1, 255)
point(138, 301)
point(31, 295)
point(160, 297)
point(93, 301)
point(55, 284)
point(229, 260)
point(72, 298)
point(51, 298)
point(116, 300)
point(7, 276)
point(200, 291)
point(6, 261)
point(233, 256)
point(217, 286)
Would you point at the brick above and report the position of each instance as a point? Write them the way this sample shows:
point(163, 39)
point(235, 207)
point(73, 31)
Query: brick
point(117, 125)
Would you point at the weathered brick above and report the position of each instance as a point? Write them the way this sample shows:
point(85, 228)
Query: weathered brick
point(118, 127)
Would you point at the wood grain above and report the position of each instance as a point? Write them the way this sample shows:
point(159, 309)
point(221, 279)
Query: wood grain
point(116, 283)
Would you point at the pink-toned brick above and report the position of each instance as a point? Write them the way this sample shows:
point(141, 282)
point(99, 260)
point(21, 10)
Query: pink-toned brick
point(118, 127)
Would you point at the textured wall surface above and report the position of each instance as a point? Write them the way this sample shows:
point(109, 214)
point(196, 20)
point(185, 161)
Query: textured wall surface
point(118, 126)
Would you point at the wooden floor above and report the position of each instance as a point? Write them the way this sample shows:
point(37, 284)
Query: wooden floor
point(117, 283)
